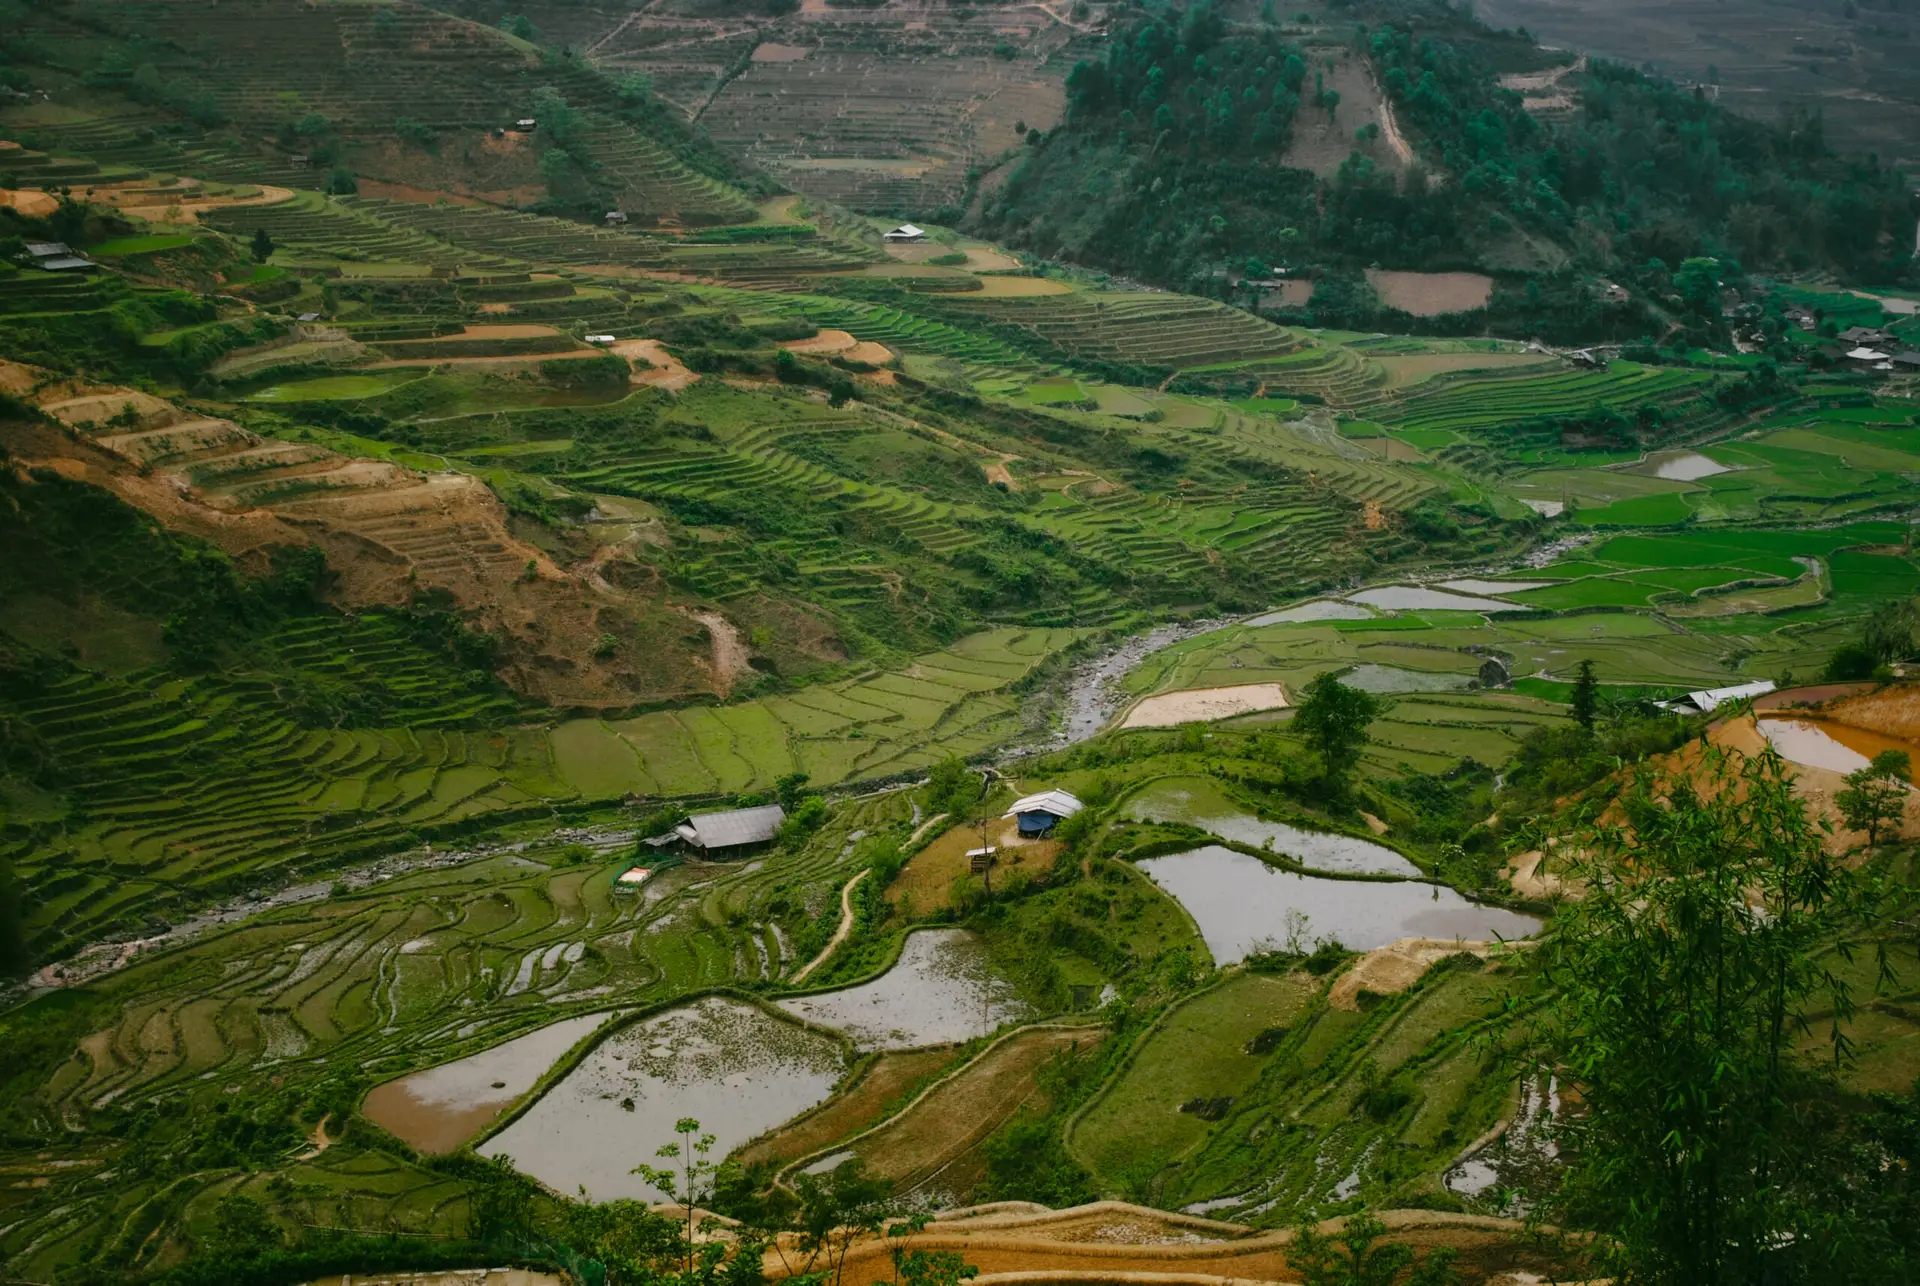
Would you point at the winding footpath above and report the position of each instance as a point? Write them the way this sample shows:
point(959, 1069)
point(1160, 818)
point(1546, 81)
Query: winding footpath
point(839, 935)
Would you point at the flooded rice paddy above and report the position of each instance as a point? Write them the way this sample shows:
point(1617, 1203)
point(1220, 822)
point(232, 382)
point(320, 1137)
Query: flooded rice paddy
point(1199, 801)
point(940, 991)
point(1320, 609)
point(1475, 585)
point(1396, 598)
point(442, 1107)
point(1394, 678)
point(736, 1069)
point(1682, 466)
point(1821, 744)
point(1243, 905)
point(1523, 1164)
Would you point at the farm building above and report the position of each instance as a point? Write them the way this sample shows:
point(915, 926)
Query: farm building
point(1038, 814)
point(905, 233)
point(55, 256)
point(615, 217)
point(1906, 363)
point(630, 880)
point(1708, 699)
point(1864, 336)
point(721, 837)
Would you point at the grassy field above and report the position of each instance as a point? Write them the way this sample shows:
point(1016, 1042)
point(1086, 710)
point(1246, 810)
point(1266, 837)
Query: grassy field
point(1186, 1073)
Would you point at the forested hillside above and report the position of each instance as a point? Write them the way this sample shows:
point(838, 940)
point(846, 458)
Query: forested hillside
point(1173, 165)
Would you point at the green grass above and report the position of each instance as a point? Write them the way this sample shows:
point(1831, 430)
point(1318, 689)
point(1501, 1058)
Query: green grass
point(1198, 1051)
point(140, 245)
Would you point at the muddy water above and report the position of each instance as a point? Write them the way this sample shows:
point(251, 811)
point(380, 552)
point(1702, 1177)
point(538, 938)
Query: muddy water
point(1821, 744)
point(1241, 905)
point(736, 1069)
point(439, 1109)
point(1198, 801)
point(940, 991)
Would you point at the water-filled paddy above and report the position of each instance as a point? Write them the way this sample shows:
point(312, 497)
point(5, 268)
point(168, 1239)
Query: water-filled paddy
point(1821, 744)
point(1320, 609)
point(438, 1109)
point(940, 991)
point(736, 1069)
point(1395, 678)
point(1199, 801)
point(1397, 598)
point(1241, 905)
point(1683, 466)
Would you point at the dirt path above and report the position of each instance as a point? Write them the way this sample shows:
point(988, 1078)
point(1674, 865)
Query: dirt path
point(730, 654)
point(926, 826)
point(839, 934)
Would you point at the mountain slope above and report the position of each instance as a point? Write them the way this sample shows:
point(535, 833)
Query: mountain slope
point(1180, 158)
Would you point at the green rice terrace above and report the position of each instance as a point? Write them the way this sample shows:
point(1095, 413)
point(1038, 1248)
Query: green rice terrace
point(409, 541)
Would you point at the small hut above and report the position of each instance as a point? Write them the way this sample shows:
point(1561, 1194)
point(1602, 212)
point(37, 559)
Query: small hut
point(1039, 814)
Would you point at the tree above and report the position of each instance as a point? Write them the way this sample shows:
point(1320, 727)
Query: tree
point(1585, 701)
point(1350, 1258)
point(262, 245)
point(836, 1209)
point(1888, 631)
point(688, 1178)
point(1677, 990)
point(1333, 718)
point(340, 182)
point(1876, 795)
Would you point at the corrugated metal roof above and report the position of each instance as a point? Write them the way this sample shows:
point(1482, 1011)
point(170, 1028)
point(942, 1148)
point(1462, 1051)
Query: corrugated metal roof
point(740, 826)
point(1057, 803)
point(1707, 698)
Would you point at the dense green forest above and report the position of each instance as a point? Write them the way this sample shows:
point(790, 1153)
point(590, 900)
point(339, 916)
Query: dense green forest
point(1171, 167)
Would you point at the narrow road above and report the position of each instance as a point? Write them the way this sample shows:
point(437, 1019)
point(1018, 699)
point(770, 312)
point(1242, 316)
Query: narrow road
point(840, 934)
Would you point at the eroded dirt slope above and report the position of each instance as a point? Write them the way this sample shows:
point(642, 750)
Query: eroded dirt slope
point(392, 536)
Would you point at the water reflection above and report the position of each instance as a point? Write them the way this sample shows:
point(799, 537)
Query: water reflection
point(940, 991)
point(1241, 905)
point(736, 1069)
point(442, 1107)
point(1199, 801)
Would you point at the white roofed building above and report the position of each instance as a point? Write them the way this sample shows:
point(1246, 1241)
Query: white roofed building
point(1038, 814)
point(906, 232)
point(722, 836)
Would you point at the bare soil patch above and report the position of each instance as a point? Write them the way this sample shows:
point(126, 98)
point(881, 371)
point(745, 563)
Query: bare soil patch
point(730, 653)
point(822, 344)
point(1020, 287)
point(662, 370)
point(1431, 294)
point(29, 201)
point(1415, 367)
point(1203, 705)
point(1390, 970)
point(1891, 712)
point(772, 53)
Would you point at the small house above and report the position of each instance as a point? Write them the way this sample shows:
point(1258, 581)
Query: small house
point(525, 123)
point(307, 317)
point(1866, 357)
point(905, 234)
point(1906, 363)
point(1039, 814)
point(616, 217)
point(630, 880)
point(48, 249)
point(601, 340)
point(979, 859)
point(1802, 318)
point(1586, 357)
point(723, 837)
point(1865, 336)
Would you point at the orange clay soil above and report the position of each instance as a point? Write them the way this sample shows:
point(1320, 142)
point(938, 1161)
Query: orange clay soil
point(1115, 1242)
point(388, 532)
point(1891, 712)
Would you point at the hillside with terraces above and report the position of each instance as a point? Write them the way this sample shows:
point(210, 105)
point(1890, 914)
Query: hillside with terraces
point(533, 609)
